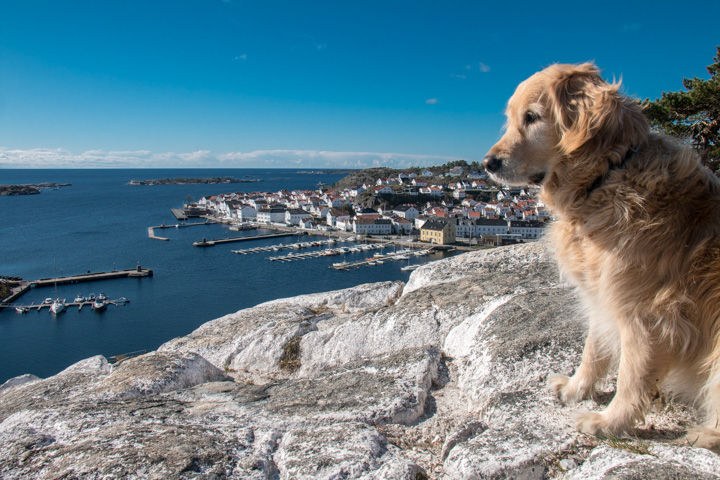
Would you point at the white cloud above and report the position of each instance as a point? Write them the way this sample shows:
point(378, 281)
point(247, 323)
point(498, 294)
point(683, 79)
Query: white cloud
point(61, 158)
point(483, 68)
point(432, 101)
point(241, 57)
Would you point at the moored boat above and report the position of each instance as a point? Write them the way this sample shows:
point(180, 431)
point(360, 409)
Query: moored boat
point(99, 305)
point(58, 306)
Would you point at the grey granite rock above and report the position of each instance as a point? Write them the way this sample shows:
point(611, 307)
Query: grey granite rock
point(441, 378)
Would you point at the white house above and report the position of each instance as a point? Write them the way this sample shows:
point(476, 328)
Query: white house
point(474, 228)
point(246, 213)
point(383, 190)
point(366, 226)
point(408, 212)
point(295, 216)
point(527, 229)
point(401, 225)
point(271, 215)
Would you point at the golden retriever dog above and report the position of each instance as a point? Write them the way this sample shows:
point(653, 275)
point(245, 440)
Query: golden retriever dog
point(637, 231)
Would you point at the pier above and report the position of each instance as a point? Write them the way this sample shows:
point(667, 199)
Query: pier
point(151, 230)
point(24, 286)
point(213, 242)
point(91, 277)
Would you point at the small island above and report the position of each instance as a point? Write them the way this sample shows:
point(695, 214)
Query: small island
point(30, 188)
point(192, 181)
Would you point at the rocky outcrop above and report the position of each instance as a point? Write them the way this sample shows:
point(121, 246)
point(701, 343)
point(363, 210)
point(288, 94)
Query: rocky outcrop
point(441, 378)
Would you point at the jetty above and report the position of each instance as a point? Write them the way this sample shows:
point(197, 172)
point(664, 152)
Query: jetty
point(213, 242)
point(91, 277)
point(23, 286)
point(151, 230)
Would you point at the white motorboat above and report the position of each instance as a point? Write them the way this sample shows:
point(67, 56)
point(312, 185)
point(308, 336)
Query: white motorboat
point(22, 309)
point(79, 299)
point(99, 304)
point(58, 306)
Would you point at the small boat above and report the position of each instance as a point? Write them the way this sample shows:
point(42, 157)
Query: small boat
point(102, 296)
point(99, 305)
point(22, 309)
point(58, 306)
point(91, 297)
point(79, 299)
point(47, 301)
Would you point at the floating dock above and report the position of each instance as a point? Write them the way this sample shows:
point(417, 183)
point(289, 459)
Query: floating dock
point(80, 305)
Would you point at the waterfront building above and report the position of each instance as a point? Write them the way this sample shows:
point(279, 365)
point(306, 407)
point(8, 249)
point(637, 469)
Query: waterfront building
point(295, 216)
point(438, 231)
point(477, 227)
point(274, 214)
point(372, 226)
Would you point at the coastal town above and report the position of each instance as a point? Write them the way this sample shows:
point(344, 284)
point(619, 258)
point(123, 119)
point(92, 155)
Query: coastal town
point(457, 206)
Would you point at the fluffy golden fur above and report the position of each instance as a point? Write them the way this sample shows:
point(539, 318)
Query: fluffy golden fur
point(638, 234)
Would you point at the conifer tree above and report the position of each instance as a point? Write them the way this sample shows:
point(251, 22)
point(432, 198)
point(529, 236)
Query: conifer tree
point(693, 114)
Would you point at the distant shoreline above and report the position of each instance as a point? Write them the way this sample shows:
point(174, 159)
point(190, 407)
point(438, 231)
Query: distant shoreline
point(29, 188)
point(193, 181)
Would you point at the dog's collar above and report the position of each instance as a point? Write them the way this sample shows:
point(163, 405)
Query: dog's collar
point(611, 166)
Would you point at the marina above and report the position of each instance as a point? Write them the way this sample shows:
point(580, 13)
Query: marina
point(92, 303)
point(295, 246)
point(327, 252)
point(24, 286)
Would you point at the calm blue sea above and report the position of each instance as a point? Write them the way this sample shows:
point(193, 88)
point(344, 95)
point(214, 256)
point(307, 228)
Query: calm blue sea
point(100, 224)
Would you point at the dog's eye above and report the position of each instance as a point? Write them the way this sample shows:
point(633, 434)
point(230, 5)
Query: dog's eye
point(531, 117)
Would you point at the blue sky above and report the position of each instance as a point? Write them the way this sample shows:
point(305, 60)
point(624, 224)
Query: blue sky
point(331, 84)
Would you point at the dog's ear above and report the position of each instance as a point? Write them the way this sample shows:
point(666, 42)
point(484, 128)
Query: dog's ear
point(592, 116)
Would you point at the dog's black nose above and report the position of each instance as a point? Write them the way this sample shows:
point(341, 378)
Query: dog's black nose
point(492, 163)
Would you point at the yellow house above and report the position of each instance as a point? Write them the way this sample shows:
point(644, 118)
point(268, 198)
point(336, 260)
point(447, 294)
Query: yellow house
point(438, 231)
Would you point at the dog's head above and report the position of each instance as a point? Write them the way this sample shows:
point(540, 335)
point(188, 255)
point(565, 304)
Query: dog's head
point(564, 114)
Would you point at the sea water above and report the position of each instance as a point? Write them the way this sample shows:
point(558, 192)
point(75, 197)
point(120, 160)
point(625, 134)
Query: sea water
point(100, 224)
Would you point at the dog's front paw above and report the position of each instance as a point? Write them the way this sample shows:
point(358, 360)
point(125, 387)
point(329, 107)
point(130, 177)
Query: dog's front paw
point(591, 423)
point(568, 389)
point(702, 437)
point(594, 423)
